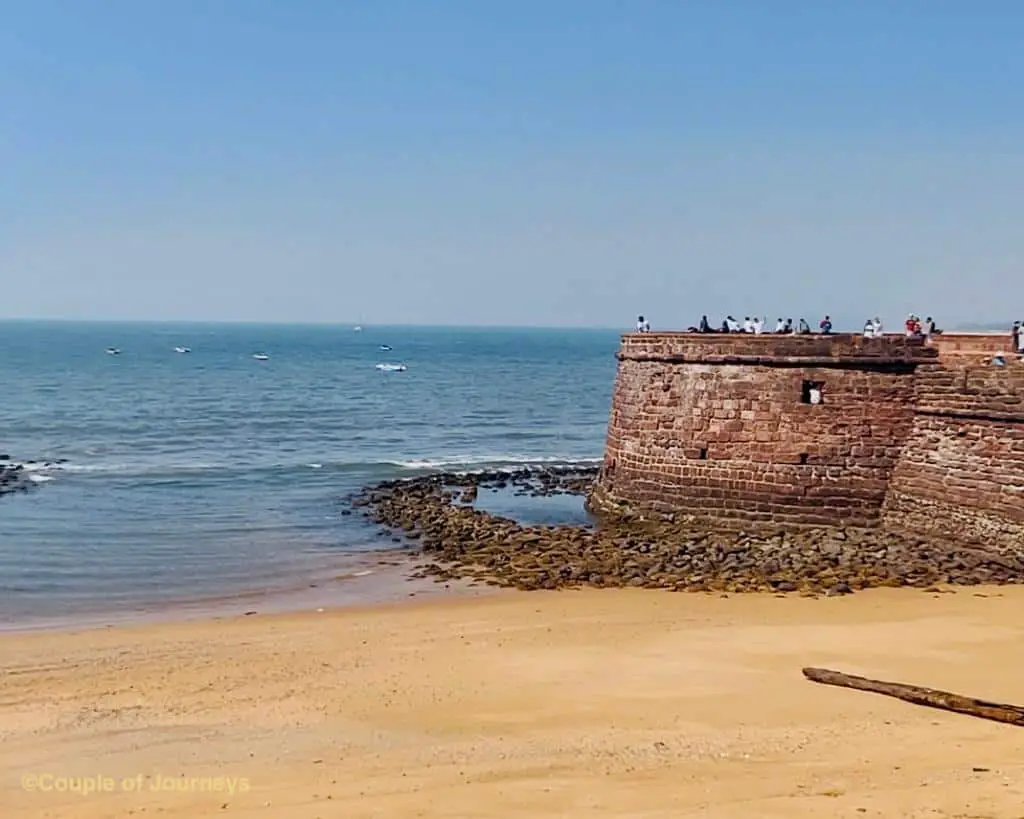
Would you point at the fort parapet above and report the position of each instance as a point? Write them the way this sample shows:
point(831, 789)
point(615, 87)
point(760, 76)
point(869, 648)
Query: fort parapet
point(836, 430)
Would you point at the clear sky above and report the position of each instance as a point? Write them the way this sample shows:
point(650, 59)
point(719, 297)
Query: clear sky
point(565, 162)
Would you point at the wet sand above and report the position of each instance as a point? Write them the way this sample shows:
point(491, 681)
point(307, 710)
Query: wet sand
point(357, 579)
point(591, 703)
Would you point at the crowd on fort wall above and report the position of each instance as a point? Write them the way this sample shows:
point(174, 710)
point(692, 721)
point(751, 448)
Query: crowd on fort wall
point(915, 434)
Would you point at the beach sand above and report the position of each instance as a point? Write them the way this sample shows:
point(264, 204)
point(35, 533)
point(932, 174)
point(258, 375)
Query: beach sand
point(592, 703)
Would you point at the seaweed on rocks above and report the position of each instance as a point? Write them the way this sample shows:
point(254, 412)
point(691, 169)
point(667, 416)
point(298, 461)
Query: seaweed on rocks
point(460, 541)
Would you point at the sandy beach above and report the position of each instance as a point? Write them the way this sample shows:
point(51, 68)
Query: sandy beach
point(592, 703)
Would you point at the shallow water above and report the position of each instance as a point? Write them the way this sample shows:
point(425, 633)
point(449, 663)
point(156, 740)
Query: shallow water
point(530, 510)
point(197, 475)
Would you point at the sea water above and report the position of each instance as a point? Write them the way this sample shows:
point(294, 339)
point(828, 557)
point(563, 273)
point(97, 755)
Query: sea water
point(190, 476)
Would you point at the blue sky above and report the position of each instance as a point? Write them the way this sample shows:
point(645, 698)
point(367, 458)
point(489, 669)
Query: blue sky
point(537, 163)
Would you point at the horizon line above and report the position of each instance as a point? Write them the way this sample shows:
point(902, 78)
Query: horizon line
point(982, 327)
point(325, 324)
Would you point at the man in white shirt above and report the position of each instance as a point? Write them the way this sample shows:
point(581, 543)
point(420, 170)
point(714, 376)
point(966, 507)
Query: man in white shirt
point(642, 326)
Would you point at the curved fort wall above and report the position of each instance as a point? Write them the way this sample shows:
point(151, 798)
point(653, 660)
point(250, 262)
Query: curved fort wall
point(921, 438)
point(722, 425)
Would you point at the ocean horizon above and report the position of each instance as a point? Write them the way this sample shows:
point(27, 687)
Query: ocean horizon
point(346, 325)
point(176, 477)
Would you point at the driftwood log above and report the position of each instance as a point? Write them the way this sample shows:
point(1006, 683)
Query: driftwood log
point(930, 697)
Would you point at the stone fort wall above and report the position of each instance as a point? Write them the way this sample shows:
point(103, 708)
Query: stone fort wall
point(913, 436)
point(961, 473)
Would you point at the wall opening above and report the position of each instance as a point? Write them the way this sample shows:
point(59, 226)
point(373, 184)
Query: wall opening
point(702, 454)
point(803, 457)
point(812, 392)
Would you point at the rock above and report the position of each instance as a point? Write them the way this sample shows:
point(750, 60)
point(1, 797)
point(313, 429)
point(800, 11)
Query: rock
point(629, 550)
point(14, 477)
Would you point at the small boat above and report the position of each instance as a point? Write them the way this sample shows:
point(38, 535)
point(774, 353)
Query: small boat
point(112, 351)
point(385, 347)
point(183, 349)
point(261, 357)
point(357, 329)
point(392, 368)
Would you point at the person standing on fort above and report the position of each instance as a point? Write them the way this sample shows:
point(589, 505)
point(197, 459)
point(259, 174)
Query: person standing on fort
point(805, 328)
point(642, 326)
point(825, 325)
point(915, 328)
point(780, 326)
point(1017, 344)
point(704, 327)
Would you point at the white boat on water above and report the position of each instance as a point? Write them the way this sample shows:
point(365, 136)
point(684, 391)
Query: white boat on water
point(261, 357)
point(112, 351)
point(392, 368)
point(357, 329)
point(385, 347)
point(183, 349)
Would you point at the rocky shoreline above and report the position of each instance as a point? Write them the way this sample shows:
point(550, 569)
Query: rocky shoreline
point(460, 541)
point(18, 476)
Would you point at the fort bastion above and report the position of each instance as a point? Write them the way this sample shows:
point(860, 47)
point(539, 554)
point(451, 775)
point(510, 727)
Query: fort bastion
point(837, 430)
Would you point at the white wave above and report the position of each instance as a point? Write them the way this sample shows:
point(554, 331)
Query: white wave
point(40, 478)
point(496, 461)
point(505, 461)
point(138, 468)
point(40, 466)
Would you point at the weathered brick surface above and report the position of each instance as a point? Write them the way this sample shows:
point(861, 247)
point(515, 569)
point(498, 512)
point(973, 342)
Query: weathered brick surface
point(971, 391)
point(976, 345)
point(767, 349)
point(715, 426)
point(961, 474)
